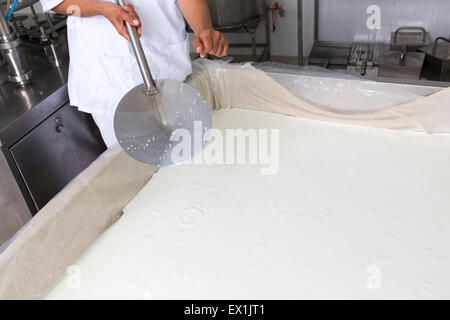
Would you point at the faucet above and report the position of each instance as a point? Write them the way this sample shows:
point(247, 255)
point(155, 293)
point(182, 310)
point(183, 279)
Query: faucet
point(402, 60)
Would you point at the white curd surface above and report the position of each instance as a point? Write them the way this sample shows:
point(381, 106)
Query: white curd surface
point(353, 213)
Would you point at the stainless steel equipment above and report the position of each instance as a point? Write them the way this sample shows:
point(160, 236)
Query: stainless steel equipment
point(19, 72)
point(152, 113)
point(50, 23)
point(401, 64)
point(437, 61)
point(228, 13)
point(21, 4)
point(411, 40)
point(330, 54)
point(43, 33)
point(403, 60)
point(44, 142)
point(364, 58)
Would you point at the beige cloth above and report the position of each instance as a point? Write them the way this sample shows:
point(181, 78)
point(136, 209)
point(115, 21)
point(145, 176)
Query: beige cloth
point(40, 254)
point(243, 86)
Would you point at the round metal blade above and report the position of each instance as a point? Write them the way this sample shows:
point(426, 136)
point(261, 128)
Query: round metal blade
point(163, 129)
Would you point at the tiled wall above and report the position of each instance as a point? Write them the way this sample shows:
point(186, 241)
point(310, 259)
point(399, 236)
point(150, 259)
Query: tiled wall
point(346, 20)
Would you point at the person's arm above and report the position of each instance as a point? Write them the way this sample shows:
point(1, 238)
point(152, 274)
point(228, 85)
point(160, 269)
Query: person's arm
point(207, 40)
point(113, 12)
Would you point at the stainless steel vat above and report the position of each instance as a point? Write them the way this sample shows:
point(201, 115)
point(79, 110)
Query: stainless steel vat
point(228, 13)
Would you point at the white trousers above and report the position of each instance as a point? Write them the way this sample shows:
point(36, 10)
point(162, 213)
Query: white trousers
point(106, 126)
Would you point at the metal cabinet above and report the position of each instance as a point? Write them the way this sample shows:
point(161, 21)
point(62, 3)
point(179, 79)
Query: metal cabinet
point(52, 154)
point(44, 142)
point(41, 152)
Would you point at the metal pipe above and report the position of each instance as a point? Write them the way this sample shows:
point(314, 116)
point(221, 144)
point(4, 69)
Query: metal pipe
point(268, 40)
point(300, 31)
point(436, 43)
point(149, 83)
point(316, 19)
point(15, 25)
point(18, 69)
point(5, 32)
point(50, 23)
point(424, 31)
point(35, 16)
point(253, 38)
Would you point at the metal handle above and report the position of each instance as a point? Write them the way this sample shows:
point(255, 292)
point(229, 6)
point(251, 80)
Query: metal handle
point(59, 124)
point(149, 83)
point(437, 41)
point(411, 28)
point(402, 60)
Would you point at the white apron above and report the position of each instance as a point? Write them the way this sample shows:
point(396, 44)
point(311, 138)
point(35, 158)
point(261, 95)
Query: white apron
point(102, 63)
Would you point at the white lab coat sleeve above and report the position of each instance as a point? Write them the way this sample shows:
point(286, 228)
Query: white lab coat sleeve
point(48, 5)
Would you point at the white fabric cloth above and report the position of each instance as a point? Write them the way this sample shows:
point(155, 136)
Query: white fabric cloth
point(106, 126)
point(102, 63)
point(43, 250)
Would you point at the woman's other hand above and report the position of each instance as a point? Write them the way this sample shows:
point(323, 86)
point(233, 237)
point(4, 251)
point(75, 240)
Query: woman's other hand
point(210, 41)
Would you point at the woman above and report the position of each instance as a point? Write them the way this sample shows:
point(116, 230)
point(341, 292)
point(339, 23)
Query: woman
point(103, 67)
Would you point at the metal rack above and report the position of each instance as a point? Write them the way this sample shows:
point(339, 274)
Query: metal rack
point(14, 35)
point(408, 55)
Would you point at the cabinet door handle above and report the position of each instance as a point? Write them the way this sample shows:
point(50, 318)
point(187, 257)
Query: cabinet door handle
point(59, 124)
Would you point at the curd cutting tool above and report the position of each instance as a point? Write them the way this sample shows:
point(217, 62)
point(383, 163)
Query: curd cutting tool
point(149, 116)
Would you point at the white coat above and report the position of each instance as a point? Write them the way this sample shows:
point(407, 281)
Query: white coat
point(103, 67)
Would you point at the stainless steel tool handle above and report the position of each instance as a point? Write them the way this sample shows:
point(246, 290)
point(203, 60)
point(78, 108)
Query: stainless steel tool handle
point(436, 43)
point(402, 60)
point(149, 83)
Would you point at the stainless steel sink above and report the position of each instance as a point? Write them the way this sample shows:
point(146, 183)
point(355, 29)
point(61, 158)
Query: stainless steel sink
point(393, 66)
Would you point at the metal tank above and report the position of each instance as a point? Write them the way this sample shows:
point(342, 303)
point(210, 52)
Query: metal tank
point(18, 69)
point(229, 13)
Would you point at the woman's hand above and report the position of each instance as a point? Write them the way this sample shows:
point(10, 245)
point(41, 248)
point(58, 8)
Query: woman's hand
point(207, 40)
point(210, 41)
point(118, 16)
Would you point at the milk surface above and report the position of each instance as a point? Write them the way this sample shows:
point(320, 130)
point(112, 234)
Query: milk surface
point(352, 213)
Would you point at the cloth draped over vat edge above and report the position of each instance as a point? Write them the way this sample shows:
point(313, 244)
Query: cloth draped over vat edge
point(243, 86)
point(43, 250)
point(41, 253)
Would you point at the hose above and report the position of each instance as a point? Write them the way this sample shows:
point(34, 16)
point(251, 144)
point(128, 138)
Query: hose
point(13, 7)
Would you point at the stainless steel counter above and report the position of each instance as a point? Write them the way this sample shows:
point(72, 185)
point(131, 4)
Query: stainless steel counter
point(47, 79)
